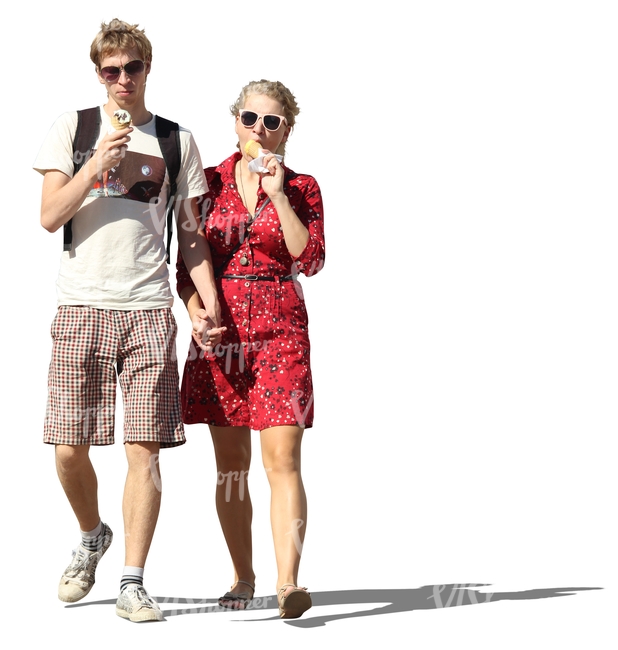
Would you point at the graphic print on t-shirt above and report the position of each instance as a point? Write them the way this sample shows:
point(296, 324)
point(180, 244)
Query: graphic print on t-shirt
point(137, 176)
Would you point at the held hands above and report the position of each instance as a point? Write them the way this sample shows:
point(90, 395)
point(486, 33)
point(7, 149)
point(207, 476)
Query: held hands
point(205, 330)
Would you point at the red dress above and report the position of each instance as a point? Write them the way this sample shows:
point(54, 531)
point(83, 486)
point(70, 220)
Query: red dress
point(259, 376)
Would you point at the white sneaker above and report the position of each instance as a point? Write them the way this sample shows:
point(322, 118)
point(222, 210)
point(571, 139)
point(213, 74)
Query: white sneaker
point(78, 578)
point(135, 604)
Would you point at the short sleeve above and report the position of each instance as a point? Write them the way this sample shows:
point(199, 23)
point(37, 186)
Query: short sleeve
point(191, 181)
point(57, 149)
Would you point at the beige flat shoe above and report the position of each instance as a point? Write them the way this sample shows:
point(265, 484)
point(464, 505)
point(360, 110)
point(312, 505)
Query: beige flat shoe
point(296, 603)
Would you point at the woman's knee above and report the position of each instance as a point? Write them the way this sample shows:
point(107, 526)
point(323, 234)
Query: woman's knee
point(232, 451)
point(281, 450)
point(282, 461)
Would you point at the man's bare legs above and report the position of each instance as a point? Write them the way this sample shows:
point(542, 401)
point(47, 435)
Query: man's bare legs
point(233, 456)
point(142, 493)
point(140, 508)
point(141, 501)
point(79, 481)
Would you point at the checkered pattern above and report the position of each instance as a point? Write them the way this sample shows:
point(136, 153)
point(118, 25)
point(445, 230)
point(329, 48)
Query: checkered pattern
point(91, 346)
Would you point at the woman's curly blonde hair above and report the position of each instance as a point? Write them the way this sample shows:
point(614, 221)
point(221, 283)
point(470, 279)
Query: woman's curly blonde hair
point(275, 90)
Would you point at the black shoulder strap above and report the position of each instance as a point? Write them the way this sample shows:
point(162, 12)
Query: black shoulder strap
point(169, 141)
point(86, 134)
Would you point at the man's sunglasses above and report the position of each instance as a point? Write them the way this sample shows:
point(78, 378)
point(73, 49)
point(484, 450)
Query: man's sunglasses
point(270, 122)
point(111, 72)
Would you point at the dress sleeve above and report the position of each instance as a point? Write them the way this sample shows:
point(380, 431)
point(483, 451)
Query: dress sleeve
point(311, 213)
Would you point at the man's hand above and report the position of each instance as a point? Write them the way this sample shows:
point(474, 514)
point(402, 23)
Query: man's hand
point(204, 330)
point(111, 150)
point(63, 195)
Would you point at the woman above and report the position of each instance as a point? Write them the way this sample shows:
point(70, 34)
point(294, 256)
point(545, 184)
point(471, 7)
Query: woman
point(264, 227)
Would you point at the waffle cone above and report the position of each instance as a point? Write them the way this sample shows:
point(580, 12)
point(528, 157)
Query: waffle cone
point(121, 119)
point(252, 148)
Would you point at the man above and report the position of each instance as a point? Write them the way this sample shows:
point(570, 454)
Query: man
point(114, 309)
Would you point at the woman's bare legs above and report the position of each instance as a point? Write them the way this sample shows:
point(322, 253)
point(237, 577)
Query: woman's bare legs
point(233, 456)
point(288, 505)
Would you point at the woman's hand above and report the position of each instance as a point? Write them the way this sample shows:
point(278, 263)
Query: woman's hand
point(295, 233)
point(204, 331)
point(272, 180)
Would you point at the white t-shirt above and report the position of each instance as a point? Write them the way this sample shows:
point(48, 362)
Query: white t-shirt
point(118, 258)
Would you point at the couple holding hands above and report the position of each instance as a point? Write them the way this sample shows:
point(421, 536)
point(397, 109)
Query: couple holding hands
point(246, 229)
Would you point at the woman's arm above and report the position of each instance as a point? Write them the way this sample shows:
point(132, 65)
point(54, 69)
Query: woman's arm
point(305, 243)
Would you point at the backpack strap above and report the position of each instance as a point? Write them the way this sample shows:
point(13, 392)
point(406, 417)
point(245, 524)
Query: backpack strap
point(169, 141)
point(86, 134)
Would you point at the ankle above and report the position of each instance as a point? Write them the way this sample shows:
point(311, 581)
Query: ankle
point(92, 540)
point(242, 585)
point(132, 575)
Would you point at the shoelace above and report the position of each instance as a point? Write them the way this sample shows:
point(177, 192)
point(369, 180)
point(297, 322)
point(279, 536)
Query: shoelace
point(79, 563)
point(142, 596)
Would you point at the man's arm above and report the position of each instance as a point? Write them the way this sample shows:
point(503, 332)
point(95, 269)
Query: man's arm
point(63, 196)
point(203, 333)
point(195, 252)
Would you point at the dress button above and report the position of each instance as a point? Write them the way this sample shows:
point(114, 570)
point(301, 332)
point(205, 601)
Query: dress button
point(244, 323)
point(244, 261)
point(247, 284)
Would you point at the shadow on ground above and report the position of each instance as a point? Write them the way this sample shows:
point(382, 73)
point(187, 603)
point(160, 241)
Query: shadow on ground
point(395, 600)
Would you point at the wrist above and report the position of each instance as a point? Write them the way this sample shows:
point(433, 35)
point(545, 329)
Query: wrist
point(196, 311)
point(92, 170)
point(280, 200)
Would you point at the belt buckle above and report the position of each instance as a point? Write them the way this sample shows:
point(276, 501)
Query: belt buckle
point(251, 277)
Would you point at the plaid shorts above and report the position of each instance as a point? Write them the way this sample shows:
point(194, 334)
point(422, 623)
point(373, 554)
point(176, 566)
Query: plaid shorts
point(90, 347)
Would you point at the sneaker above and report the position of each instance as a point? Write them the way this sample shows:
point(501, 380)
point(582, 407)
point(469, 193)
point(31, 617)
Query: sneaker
point(78, 578)
point(135, 604)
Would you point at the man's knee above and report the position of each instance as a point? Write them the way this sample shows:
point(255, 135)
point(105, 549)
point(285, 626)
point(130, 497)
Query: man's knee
point(71, 457)
point(142, 454)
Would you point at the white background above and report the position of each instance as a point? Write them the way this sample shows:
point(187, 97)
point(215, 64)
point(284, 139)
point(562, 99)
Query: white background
point(464, 328)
